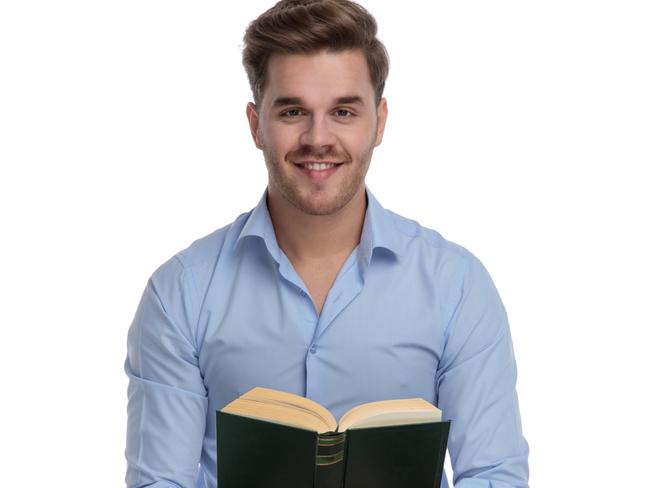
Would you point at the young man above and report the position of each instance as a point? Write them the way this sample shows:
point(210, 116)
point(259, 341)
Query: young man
point(318, 290)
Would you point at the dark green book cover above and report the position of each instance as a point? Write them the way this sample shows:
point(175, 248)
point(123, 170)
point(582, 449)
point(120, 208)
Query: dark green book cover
point(255, 453)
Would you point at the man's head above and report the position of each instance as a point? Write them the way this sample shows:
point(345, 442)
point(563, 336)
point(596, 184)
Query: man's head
point(317, 72)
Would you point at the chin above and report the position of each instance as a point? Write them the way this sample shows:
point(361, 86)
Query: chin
point(321, 206)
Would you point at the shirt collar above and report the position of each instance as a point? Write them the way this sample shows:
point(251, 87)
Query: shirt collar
point(379, 230)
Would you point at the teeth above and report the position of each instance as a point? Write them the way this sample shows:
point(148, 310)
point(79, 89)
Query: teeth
point(318, 166)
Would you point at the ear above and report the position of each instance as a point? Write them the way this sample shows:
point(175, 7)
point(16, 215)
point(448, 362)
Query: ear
point(382, 114)
point(254, 123)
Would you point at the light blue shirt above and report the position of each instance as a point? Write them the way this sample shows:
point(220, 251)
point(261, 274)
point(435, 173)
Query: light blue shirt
point(410, 314)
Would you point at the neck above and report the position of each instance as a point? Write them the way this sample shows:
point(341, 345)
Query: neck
point(309, 238)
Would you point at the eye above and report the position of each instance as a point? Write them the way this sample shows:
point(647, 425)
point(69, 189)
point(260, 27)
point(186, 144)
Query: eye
point(291, 113)
point(344, 113)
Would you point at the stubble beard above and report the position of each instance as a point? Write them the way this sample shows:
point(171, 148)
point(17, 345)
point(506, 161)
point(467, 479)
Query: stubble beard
point(317, 202)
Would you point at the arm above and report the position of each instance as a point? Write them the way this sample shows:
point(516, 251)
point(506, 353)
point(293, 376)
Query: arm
point(476, 388)
point(167, 400)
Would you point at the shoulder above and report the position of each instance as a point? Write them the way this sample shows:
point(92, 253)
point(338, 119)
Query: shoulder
point(449, 267)
point(424, 242)
point(459, 277)
point(197, 261)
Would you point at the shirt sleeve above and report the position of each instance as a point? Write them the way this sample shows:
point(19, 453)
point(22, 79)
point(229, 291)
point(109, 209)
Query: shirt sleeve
point(167, 400)
point(476, 388)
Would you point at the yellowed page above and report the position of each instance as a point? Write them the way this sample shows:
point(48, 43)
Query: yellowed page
point(280, 414)
point(390, 412)
point(283, 407)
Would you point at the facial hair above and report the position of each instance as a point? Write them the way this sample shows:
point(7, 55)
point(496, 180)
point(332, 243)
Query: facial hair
point(284, 177)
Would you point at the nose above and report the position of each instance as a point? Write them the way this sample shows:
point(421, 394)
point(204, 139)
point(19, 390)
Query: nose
point(317, 133)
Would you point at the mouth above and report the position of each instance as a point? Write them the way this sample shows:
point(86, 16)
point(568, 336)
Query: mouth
point(318, 170)
point(317, 165)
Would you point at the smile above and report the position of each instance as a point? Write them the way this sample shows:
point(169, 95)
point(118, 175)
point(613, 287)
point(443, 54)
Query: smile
point(318, 166)
point(318, 171)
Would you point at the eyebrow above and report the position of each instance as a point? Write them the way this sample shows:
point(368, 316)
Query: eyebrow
point(349, 100)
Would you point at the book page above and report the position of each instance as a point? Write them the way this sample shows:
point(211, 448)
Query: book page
point(282, 407)
point(390, 412)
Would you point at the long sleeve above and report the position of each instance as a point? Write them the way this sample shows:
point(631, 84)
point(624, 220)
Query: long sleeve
point(167, 400)
point(476, 388)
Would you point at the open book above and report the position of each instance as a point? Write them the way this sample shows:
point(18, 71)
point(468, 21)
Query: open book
point(273, 439)
point(290, 409)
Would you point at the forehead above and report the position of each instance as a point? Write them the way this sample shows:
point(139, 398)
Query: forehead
point(318, 77)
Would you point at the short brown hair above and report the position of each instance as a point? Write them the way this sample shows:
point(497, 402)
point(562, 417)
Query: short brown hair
point(309, 26)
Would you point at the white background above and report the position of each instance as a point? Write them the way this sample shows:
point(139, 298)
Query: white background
point(518, 129)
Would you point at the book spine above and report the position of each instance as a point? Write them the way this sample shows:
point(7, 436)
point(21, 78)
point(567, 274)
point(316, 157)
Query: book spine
point(330, 457)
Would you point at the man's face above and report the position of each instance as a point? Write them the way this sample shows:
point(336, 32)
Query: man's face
point(317, 109)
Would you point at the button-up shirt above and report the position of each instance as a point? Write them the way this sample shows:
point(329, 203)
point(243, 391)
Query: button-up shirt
point(409, 314)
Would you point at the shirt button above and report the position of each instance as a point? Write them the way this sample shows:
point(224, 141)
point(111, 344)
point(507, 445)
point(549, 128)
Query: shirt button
point(313, 349)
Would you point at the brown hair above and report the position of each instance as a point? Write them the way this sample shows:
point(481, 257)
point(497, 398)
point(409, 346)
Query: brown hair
point(308, 26)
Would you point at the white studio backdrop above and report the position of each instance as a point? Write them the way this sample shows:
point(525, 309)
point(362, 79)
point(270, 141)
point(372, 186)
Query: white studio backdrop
point(517, 129)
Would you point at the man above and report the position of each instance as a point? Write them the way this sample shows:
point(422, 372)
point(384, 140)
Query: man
point(318, 290)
